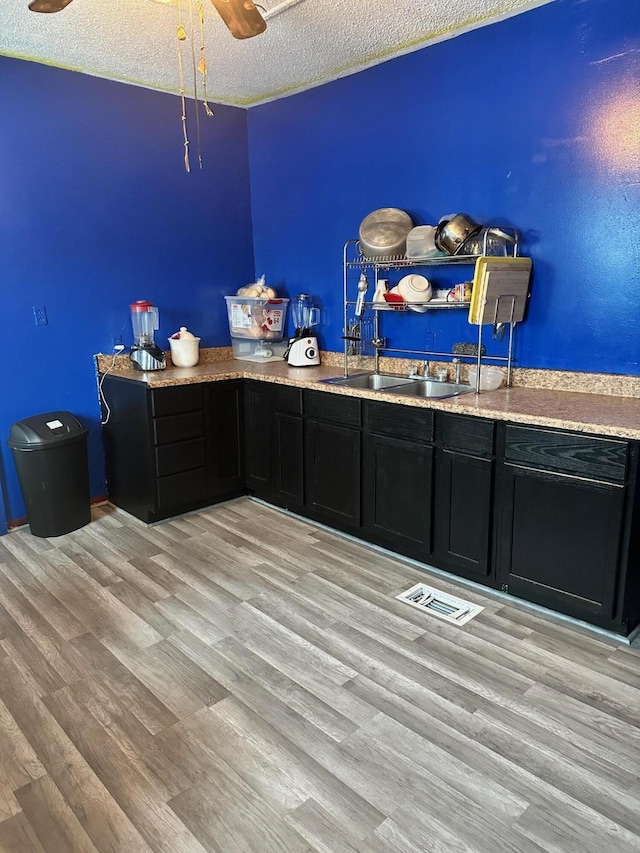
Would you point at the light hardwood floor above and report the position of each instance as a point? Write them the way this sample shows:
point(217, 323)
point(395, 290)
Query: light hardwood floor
point(240, 680)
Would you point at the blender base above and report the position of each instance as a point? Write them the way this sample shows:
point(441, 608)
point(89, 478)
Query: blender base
point(148, 358)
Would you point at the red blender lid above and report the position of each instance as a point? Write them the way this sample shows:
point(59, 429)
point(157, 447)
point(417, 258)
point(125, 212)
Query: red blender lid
point(141, 305)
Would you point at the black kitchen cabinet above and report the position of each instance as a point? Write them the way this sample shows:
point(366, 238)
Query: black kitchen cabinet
point(274, 436)
point(171, 450)
point(564, 503)
point(333, 462)
point(225, 431)
point(397, 478)
point(550, 516)
point(464, 495)
point(258, 407)
point(287, 448)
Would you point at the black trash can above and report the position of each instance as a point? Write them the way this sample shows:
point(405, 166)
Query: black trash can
point(50, 455)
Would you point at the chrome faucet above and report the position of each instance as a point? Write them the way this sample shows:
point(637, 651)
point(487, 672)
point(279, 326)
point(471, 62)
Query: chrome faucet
point(458, 365)
point(421, 371)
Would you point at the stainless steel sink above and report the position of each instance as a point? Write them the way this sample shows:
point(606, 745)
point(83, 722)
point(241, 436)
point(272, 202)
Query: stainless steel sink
point(401, 385)
point(433, 388)
point(371, 381)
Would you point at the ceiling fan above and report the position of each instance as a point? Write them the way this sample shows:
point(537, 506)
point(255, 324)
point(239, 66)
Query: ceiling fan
point(240, 16)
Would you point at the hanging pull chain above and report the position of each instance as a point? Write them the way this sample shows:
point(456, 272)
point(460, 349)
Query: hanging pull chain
point(195, 86)
point(202, 65)
point(181, 36)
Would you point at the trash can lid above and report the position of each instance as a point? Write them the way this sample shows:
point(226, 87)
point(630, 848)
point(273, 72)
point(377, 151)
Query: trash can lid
point(40, 431)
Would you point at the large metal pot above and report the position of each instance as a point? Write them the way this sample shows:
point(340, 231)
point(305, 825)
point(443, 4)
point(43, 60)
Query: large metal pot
point(452, 233)
point(383, 233)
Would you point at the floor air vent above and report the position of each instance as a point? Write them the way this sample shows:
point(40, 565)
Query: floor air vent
point(440, 604)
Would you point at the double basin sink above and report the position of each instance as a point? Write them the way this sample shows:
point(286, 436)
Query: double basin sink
point(406, 386)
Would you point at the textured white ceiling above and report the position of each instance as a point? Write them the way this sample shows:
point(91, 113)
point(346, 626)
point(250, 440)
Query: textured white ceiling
point(307, 42)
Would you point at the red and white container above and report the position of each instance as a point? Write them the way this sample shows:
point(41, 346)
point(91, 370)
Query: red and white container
point(259, 319)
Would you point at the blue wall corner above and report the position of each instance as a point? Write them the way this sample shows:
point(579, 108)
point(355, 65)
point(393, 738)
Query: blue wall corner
point(97, 211)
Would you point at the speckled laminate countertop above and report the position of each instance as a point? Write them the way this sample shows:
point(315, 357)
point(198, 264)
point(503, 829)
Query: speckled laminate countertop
point(590, 413)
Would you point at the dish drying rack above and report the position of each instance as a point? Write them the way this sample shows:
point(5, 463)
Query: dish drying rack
point(362, 335)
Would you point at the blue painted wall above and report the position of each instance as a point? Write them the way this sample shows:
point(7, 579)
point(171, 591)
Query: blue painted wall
point(532, 122)
point(96, 211)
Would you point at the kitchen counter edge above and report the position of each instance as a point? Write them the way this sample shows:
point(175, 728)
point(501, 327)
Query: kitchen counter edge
point(581, 412)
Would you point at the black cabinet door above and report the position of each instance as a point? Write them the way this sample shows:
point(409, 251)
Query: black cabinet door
point(332, 473)
point(560, 540)
point(226, 438)
point(462, 527)
point(258, 408)
point(129, 447)
point(462, 514)
point(287, 459)
point(396, 494)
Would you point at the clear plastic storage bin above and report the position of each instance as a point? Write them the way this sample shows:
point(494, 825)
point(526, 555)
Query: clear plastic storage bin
point(258, 350)
point(259, 319)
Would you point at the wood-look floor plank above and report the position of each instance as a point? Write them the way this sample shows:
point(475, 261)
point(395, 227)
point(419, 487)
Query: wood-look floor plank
point(101, 817)
point(156, 676)
point(267, 718)
point(18, 836)
point(92, 604)
point(143, 607)
point(224, 741)
point(103, 667)
point(287, 650)
point(129, 574)
point(390, 837)
point(92, 565)
point(241, 680)
point(463, 784)
point(198, 573)
point(580, 723)
point(140, 747)
point(321, 830)
point(28, 581)
point(33, 636)
point(52, 820)
point(133, 790)
point(185, 618)
point(19, 763)
point(572, 829)
point(228, 817)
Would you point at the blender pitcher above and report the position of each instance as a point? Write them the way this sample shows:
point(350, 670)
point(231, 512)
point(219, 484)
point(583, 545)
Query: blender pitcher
point(145, 354)
point(305, 314)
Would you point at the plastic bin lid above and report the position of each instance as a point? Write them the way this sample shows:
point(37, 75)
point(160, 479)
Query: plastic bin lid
point(44, 430)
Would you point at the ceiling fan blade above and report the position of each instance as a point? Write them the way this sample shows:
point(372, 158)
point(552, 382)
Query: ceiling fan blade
point(241, 17)
point(48, 5)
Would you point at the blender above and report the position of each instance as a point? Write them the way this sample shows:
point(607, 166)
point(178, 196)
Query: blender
point(145, 354)
point(303, 346)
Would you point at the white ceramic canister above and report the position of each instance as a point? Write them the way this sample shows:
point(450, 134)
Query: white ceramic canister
point(184, 348)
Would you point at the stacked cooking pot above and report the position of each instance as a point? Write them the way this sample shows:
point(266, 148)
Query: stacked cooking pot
point(390, 233)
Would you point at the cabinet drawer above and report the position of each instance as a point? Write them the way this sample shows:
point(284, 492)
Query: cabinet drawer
point(181, 456)
point(568, 453)
point(399, 421)
point(287, 399)
point(465, 434)
point(332, 407)
point(173, 401)
point(185, 489)
point(178, 427)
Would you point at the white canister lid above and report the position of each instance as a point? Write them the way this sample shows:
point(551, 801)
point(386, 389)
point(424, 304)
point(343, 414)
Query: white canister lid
point(184, 335)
